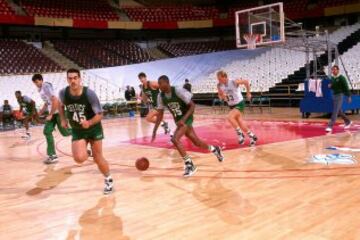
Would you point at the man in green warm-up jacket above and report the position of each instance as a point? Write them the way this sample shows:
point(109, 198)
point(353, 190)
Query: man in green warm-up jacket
point(340, 88)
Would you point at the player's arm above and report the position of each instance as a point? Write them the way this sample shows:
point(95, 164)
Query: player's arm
point(189, 112)
point(221, 94)
point(144, 97)
point(186, 97)
point(96, 107)
point(54, 100)
point(63, 120)
point(160, 116)
point(1, 113)
point(154, 85)
point(247, 86)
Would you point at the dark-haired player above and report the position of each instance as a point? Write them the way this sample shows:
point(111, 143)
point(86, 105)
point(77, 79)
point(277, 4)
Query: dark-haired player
point(51, 104)
point(28, 107)
point(179, 103)
point(150, 92)
point(84, 113)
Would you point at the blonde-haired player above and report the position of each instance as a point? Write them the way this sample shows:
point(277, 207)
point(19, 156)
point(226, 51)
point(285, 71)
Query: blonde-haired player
point(229, 91)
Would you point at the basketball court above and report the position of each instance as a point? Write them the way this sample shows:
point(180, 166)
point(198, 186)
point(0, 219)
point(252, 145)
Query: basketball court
point(298, 182)
point(272, 189)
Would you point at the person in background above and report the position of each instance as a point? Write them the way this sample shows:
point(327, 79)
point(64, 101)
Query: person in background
point(187, 85)
point(128, 93)
point(6, 112)
point(133, 93)
point(340, 87)
point(30, 113)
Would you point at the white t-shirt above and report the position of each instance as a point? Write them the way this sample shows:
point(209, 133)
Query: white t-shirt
point(47, 92)
point(182, 93)
point(232, 91)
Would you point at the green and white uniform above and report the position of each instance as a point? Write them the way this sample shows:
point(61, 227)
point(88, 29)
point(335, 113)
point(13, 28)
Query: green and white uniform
point(177, 101)
point(152, 94)
point(47, 92)
point(80, 108)
point(234, 96)
point(6, 110)
point(28, 108)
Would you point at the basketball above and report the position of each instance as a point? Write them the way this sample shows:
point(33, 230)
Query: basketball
point(142, 164)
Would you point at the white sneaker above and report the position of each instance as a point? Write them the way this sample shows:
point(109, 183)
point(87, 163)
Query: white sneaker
point(51, 159)
point(347, 126)
point(27, 136)
point(328, 129)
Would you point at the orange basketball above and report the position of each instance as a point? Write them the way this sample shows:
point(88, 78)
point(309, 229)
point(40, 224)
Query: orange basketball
point(18, 115)
point(142, 164)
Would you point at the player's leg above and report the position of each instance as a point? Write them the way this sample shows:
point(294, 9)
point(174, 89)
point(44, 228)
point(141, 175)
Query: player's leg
point(152, 117)
point(189, 167)
point(244, 128)
point(48, 133)
point(337, 103)
point(346, 120)
point(79, 150)
point(216, 150)
point(103, 165)
point(63, 131)
point(26, 121)
point(233, 119)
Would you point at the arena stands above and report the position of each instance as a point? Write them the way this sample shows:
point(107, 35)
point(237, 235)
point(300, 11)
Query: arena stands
point(5, 9)
point(164, 14)
point(79, 9)
point(271, 67)
point(191, 48)
point(102, 53)
point(17, 57)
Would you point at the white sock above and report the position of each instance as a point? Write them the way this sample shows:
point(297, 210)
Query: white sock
point(211, 148)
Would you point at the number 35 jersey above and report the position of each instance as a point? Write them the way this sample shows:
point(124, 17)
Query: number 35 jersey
point(232, 91)
point(176, 101)
point(80, 108)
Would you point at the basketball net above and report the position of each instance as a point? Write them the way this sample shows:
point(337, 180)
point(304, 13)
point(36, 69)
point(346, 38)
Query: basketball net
point(251, 40)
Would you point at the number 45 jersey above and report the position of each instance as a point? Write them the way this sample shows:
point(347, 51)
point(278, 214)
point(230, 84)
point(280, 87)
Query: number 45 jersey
point(177, 102)
point(232, 91)
point(80, 108)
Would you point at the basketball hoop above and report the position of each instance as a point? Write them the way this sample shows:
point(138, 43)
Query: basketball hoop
point(251, 40)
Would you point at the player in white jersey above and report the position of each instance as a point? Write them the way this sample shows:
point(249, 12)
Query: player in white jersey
point(51, 104)
point(229, 91)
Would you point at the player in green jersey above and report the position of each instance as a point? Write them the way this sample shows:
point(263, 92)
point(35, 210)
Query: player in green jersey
point(84, 113)
point(180, 105)
point(28, 107)
point(150, 92)
point(51, 104)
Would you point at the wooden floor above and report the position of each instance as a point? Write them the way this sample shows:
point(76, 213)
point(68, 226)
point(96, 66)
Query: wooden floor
point(267, 192)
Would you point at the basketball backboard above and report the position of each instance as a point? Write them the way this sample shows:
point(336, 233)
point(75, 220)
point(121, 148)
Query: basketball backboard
point(264, 25)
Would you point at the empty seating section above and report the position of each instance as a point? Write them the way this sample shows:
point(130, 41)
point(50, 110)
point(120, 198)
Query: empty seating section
point(127, 49)
point(262, 72)
point(78, 9)
point(191, 48)
point(277, 63)
point(101, 53)
point(165, 14)
point(352, 65)
point(5, 9)
point(17, 57)
point(333, 3)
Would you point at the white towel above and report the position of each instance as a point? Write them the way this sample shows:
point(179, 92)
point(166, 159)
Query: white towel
point(318, 88)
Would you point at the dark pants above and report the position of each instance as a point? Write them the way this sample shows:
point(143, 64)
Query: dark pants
point(337, 102)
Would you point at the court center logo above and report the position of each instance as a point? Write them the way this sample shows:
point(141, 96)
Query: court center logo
point(335, 158)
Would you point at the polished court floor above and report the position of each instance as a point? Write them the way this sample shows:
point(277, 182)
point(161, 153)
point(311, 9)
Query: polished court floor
point(271, 191)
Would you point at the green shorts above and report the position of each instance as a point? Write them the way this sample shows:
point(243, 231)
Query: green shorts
point(94, 133)
point(29, 112)
point(240, 106)
point(189, 121)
